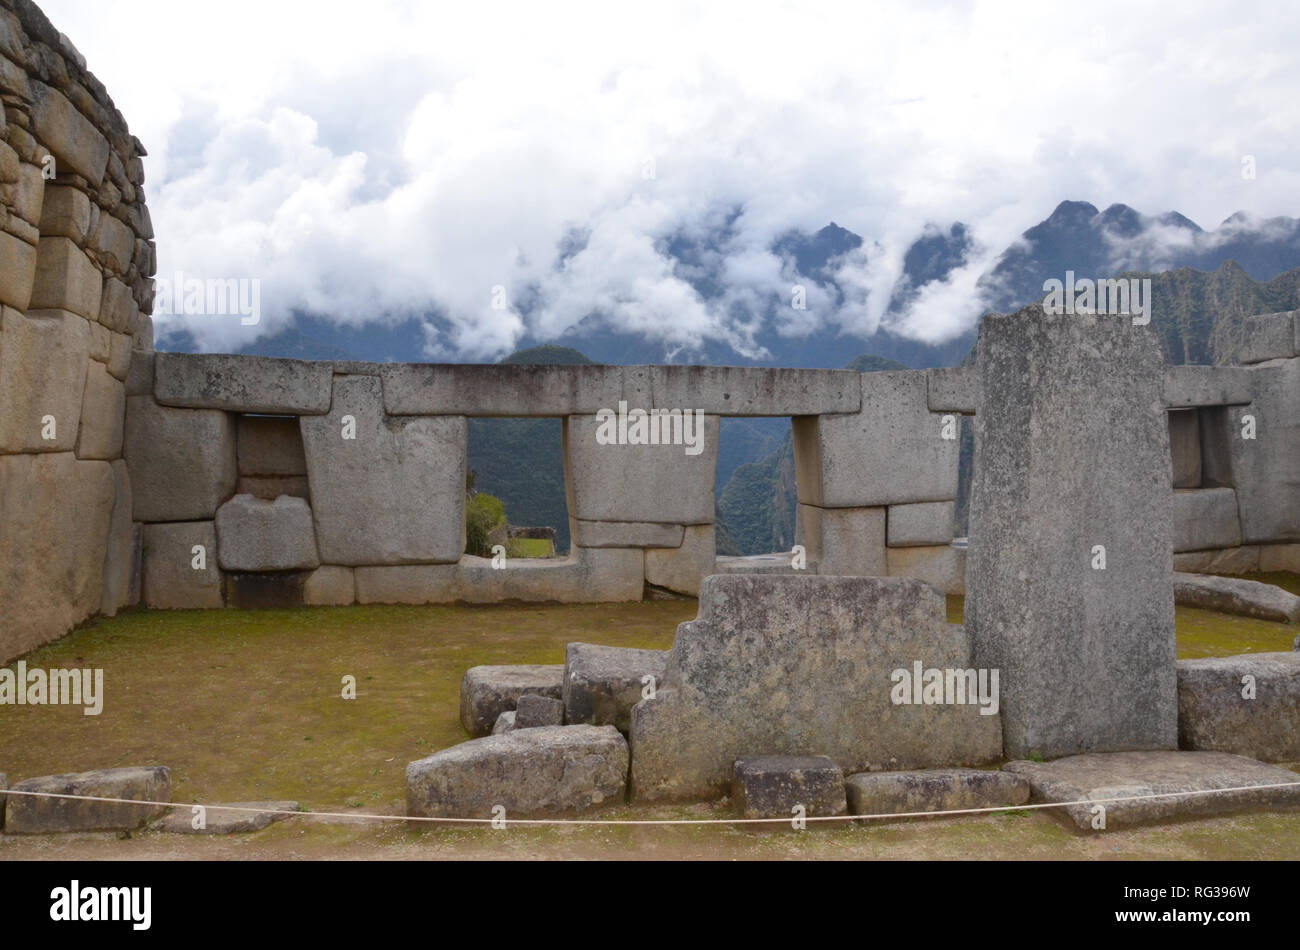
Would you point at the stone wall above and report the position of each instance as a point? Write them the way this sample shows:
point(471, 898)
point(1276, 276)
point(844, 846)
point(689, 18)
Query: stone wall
point(76, 258)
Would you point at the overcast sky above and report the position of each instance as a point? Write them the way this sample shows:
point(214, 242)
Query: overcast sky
point(402, 157)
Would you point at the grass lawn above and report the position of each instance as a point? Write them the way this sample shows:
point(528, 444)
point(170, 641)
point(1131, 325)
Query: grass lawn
point(246, 705)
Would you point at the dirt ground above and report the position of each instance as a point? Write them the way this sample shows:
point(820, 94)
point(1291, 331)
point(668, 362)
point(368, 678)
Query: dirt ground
point(246, 705)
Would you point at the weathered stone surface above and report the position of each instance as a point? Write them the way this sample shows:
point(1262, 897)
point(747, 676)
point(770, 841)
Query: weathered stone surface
point(931, 790)
point(70, 136)
point(625, 534)
point(330, 586)
point(66, 279)
point(258, 535)
point(113, 242)
point(845, 541)
point(117, 307)
point(54, 520)
point(1280, 557)
point(262, 590)
point(242, 383)
point(219, 820)
point(43, 360)
point(791, 664)
point(122, 551)
point(919, 525)
point(395, 494)
point(172, 581)
point(651, 483)
point(1185, 448)
point(770, 786)
point(1184, 777)
point(17, 271)
point(488, 691)
point(543, 390)
point(891, 452)
point(1235, 595)
point(29, 814)
point(681, 569)
point(270, 445)
point(1188, 386)
point(555, 770)
point(1247, 705)
point(65, 213)
point(1072, 452)
point(1205, 518)
point(103, 415)
point(139, 377)
point(953, 389)
point(1269, 336)
point(182, 461)
point(1263, 469)
point(29, 195)
point(1240, 560)
point(505, 723)
point(942, 566)
point(602, 684)
point(533, 711)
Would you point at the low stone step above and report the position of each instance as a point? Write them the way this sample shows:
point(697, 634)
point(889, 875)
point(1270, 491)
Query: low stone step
point(1236, 595)
point(219, 820)
point(1247, 704)
point(488, 691)
point(31, 814)
point(933, 790)
point(770, 786)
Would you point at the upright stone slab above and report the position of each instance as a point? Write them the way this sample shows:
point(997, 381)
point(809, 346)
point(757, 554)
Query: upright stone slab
point(787, 665)
point(393, 492)
point(1072, 455)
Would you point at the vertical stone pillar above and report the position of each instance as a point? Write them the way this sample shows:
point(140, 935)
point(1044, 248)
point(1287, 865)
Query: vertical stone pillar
point(1069, 573)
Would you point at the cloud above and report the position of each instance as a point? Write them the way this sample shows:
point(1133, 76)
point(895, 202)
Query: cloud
point(408, 159)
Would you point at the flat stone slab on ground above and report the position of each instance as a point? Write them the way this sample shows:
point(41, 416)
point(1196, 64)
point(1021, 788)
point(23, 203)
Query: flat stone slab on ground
point(1186, 778)
point(534, 710)
point(602, 684)
point(1220, 710)
point(770, 786)
point(554, 770)
point(488, 691)
point(31, 814)
point(1236, 595)
point(928, 790)
point(219, 820)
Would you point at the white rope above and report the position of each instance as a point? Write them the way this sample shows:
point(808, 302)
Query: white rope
point(611, 822)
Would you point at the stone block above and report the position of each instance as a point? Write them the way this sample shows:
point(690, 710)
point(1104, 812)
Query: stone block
point(139, 377)
point(933, 790)
point(1192, 386)
point(119, 356)
point(1235, 595)
point(29, 194)
point(1071, 412)
point(258, 535)
point(928, 523)
point(176, 574)
point(243, 383)
point(602, 684)
point(942, 566)
point(488, 691)
point(72, 138)
point(845, 541)
point(1186, 780)
point(114, 243)
point(182, 461)
point(43, 359)
point(1269, 336)
point(117, 307)
point(1185, 448)
point(533, 711)
point(505, 723)
point(771, 786)
point(66, 279)
point(54, 525)
point(557, 770)
point(270, 445)
point(222, 820)
point(17, 271)
point(791, 665)
point(1205, 518)
point(625, 534)
point(586, 576)
point(394, 494)
point(891, 452)
point(265, 590)
point(29, 814)
point(122, 551)
point(103, 415)
point(1279, 557)
point(1247, 705)
point(681, 569)
point(651, 483)
point(65, 213)
point(330, 586)
point(953, 389)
